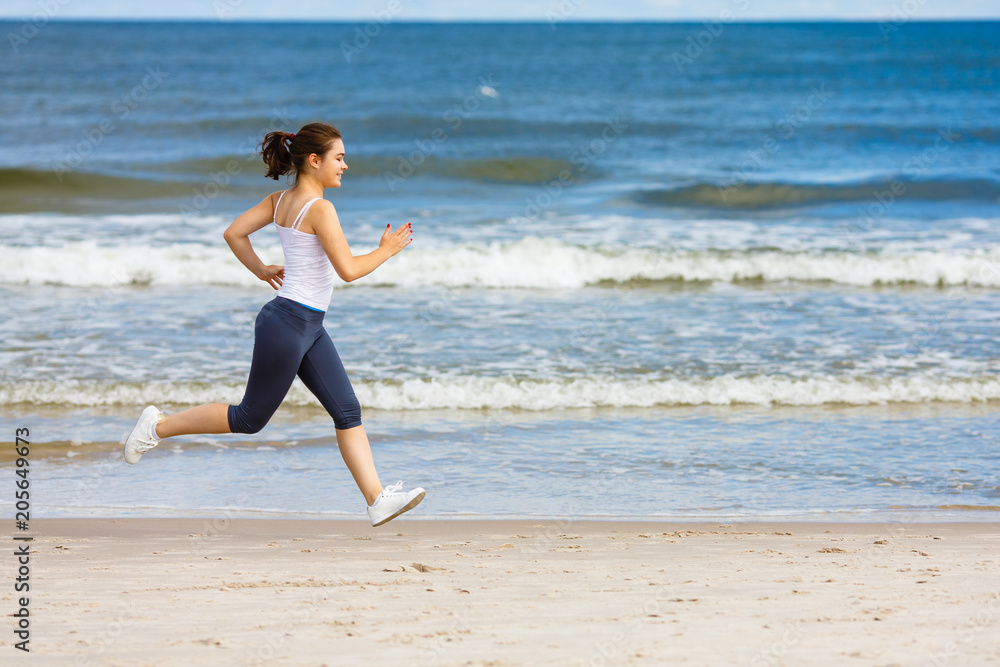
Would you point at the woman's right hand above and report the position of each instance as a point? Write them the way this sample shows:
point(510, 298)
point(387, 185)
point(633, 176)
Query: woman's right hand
point(394, 241)
point(273, 275)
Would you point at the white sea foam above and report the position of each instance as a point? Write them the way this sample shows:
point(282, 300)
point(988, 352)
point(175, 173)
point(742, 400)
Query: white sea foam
point(527, 263)
point(88, 264)
point(473, 392)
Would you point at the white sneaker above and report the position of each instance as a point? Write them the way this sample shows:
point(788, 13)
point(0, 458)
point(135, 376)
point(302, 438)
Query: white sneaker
point(141, 439)
point(392, 502)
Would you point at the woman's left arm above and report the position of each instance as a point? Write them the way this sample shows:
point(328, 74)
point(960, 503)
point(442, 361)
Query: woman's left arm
point(324, 221)
point(238, 237)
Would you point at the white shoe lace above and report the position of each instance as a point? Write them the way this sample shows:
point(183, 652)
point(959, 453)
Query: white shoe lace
point(145, 445)
point(395, 488)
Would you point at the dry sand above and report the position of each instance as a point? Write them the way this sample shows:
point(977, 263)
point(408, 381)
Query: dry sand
point(294, 592)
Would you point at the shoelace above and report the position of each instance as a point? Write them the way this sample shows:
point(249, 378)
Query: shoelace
point(145, 445)
point(395, 488)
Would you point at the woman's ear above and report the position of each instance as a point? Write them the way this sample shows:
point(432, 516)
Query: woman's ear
point(313, 160)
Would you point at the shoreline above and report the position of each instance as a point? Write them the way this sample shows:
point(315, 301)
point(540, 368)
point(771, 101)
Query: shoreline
point(126, 526)
point(861, 518)
point(511, 592)
point(694, 464)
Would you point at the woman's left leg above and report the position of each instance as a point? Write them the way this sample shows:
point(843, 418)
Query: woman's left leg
point(278, 343)
point(208, 418)
point(323, 373)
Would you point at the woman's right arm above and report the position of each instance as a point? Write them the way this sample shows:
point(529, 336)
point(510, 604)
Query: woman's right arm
point(323, 219)
point(238, 238)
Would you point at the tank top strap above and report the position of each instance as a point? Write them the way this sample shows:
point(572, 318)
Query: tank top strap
point(274, 217)
point(302, 213)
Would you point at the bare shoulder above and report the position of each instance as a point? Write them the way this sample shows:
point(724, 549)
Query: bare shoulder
point(273, 198)
point(269, 201)
point(320, 215)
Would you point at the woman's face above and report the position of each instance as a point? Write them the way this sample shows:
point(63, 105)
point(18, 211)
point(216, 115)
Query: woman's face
point(332, 165)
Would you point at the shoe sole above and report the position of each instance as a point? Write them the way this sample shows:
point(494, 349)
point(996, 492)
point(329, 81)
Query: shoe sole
point(125, 448)
point(405, 508)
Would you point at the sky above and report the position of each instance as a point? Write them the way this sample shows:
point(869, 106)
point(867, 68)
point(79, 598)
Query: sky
point(516, 10)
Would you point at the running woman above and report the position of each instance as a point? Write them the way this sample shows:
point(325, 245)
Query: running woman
point(289, 338)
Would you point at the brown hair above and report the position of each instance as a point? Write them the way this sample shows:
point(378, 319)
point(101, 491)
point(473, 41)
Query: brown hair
point(284, 153)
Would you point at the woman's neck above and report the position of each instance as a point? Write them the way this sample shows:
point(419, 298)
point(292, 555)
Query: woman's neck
point(308, 184)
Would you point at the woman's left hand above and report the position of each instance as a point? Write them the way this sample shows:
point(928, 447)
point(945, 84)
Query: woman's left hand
point(273, 275)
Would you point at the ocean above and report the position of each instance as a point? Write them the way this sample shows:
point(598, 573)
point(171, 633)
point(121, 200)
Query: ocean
point(689, 271)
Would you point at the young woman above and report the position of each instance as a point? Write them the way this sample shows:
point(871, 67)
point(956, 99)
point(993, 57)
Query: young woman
point(289, 338)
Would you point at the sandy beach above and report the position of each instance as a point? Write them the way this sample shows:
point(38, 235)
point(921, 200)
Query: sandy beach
point(301, 592)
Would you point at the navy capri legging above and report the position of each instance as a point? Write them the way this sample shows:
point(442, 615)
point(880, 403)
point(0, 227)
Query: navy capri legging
point(289, 340)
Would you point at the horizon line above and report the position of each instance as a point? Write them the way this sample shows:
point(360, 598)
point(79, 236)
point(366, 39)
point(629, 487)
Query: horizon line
point(208, 19)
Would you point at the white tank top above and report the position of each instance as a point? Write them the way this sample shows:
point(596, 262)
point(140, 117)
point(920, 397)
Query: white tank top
point(308, 272)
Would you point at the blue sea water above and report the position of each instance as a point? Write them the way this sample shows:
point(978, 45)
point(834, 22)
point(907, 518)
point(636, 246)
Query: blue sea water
point(658, 270)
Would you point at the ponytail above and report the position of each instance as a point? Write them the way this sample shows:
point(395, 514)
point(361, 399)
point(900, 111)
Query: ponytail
point(284, 152)
point(276, 154)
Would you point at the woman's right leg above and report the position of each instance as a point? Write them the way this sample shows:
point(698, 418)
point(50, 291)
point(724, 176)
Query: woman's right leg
point(323, 373)
point(357, 454)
